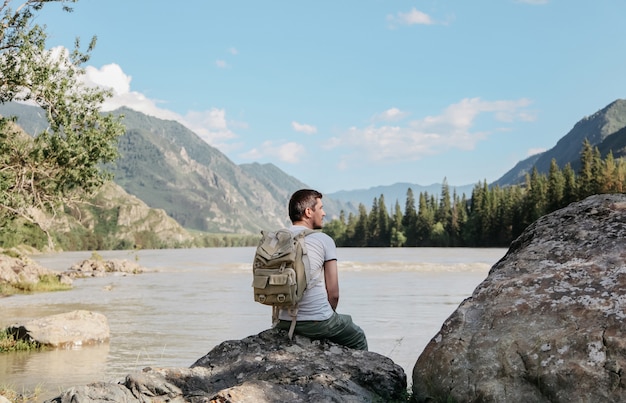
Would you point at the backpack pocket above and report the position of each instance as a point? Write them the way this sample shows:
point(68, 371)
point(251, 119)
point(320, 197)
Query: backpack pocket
point(260, 281)
point(279, 279)
point(273, 287)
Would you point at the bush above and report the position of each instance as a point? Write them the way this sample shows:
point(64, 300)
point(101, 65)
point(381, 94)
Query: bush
point(8, 343)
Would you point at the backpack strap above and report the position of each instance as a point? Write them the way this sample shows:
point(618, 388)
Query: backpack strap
point(293, 311)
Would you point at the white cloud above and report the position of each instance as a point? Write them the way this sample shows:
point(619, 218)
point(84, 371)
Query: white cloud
point(411, 18)
point(221, 64)
point(289, 152)
point(303, 128)
point(112, 77)
point(390, 115)
point(211, 125)
point(534, 151)
point(233, 51)
point(453, 128)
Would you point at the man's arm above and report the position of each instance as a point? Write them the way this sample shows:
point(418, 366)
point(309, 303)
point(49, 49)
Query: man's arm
point(332, 282)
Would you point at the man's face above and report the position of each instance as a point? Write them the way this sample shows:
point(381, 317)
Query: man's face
point(318, 215)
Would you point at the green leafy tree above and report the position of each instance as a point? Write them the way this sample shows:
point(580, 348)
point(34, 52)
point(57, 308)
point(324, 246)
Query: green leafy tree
point(336, 229)
point(63, 163)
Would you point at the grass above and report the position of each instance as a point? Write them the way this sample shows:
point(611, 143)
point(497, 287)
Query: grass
point(26, 396)
point(8, 343)
point(46, 283)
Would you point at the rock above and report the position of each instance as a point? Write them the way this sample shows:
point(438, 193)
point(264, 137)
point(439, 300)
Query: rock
point(267, 367)
point(76, 328)
point(100, 267)
point(547, 324)
point(22, 270)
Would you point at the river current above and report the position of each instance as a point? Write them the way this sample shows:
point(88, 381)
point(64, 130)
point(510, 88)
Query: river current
point(193, 299)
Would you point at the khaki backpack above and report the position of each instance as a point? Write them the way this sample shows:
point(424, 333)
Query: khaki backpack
point(280, 271)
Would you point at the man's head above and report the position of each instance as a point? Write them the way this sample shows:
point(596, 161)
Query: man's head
point(306, 208)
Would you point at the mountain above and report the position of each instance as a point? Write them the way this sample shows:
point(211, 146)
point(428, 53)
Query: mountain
point(616, 143)
point(393, 193)
point(113, 219)
point(597, 129)
point(169, 167)
point(109, 219)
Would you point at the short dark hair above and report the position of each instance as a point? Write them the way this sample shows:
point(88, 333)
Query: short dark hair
point(300, 201)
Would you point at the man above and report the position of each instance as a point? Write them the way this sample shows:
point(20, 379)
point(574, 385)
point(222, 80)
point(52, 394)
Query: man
point(317, 317)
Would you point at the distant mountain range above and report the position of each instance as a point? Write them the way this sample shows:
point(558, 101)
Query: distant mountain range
point(169, 167)
point(396, 192)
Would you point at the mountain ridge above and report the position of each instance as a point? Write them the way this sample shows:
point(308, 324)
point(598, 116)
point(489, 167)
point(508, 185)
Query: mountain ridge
point(596, 128)
point(169, 167)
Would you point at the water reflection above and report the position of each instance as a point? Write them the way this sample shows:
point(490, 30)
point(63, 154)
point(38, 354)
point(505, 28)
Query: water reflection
point(60, 368)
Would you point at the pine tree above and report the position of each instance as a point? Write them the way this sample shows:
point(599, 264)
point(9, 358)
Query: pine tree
point(409, 221)
point(570, 190)
point(361, 234)
point(556, 187)
point(397, 233)
point(384, 225)
point(586, 179)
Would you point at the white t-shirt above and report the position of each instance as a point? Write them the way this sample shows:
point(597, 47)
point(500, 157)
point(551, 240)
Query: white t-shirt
point(314, 304)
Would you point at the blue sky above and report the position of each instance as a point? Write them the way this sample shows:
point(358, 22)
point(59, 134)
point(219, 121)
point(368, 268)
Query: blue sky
point(353, 94)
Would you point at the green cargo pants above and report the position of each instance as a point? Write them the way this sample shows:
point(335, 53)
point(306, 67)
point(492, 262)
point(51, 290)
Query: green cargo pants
point(338, 328)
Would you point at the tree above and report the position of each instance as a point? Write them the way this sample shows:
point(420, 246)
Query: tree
point(409, 221)
point(425, 221)
point(361, 235)
point(586, 180)
point(556, 187)
point(397, 233)
point(373, 228)
point(63, 163)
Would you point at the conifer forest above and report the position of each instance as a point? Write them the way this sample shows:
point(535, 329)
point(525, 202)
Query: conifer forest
point(493, 217)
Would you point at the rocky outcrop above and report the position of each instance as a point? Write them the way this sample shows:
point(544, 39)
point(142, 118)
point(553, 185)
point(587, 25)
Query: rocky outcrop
point(267, 367)
point(14, 270)
point(23, 270)
point(66, 330)
point(100, 267)
point(547, 325)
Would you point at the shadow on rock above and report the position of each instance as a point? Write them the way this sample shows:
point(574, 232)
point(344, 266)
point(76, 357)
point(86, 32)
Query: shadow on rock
point(267, 367)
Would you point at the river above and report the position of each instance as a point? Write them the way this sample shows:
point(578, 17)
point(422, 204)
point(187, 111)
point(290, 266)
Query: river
point(193, 299)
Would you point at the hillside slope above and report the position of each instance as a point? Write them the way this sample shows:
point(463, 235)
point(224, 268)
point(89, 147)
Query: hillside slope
point(596, 128)
point(171, 168)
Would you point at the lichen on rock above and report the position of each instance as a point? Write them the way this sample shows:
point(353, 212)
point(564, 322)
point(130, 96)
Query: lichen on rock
point(547, 324)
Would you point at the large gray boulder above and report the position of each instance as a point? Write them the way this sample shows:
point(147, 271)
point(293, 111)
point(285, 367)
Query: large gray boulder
point(64, 330)
point(267, 367)
point(548, 323)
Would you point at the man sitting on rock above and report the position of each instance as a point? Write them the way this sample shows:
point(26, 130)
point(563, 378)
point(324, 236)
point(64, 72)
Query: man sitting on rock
point(317, 317)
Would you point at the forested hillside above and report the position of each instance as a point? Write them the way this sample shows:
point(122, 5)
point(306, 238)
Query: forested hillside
point(596, 129)
point(493, 217)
